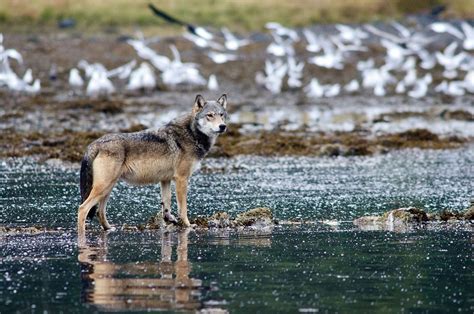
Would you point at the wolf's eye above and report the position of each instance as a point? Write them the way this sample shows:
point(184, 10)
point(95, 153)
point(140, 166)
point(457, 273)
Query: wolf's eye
point(210, 115)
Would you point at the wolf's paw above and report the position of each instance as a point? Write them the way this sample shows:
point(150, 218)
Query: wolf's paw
point(186, 224)
point(169, 218)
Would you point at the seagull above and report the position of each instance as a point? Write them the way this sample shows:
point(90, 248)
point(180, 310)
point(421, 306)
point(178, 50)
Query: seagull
point(220, 57)
point(142, 78)
point(428, 61)
point(395, 53)
point(33, 89)
point(178, 74)
point(468, 31)
point(272, 78)
point(5, 54)
point(14, 83)
point(443, 27)
point(193, 29)
point(332, 90)
point(373, 77)
point(122, 72)
point(75, 79)
point(331, 59)
point(314, 44)
point(469, 81)
point(212, 83)
point(202, 42)
point(365, 65)
point(181, 73)
point(400, 88)
point(450, 61)
point(442, 87)
point(99, 84)
point(314, 89)
point(379, 89)
point(28, 76)
point(232, 42)
point(466, 35)
point(352, 86)
point(158, 61)
point(9, 78)
point(346, 48)
point(412, 40)
point(421, 87)
point(280, 47)
point(281, 31)
point(455, 88)
point(410, 77)
point(351, 35)
point(295, 73)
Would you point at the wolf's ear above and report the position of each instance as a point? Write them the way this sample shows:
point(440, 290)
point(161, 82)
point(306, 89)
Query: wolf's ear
point(198, 103)
point(223, 101)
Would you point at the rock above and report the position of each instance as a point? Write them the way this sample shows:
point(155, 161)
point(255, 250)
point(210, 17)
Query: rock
point(447, 215)
point(331, 150)
point(469, 214)
point(369, 223)
point(261, 216)
point(219, 220)
point(155, 222)
point(405, 219)
point(402, 219)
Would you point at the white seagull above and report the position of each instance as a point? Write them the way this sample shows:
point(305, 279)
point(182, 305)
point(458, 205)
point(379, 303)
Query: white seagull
point(142, 78)
point(75, 79)
point(212, 83)
point(449, 60)
point(231, 41)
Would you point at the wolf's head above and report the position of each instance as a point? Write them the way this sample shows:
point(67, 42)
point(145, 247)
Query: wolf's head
point(210, 116)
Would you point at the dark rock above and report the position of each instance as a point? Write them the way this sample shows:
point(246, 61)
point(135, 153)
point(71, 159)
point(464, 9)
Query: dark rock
point(219, 220)
point(261, 216)
point(447, 215)
point(469, 214)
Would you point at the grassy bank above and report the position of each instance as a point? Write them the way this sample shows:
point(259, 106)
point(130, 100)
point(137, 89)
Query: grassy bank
point(243, 15)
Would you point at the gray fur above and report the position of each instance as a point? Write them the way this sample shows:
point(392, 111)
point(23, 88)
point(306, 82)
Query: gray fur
point(151, 156)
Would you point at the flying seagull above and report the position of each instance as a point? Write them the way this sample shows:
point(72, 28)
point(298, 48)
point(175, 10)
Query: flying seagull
point(196, 30)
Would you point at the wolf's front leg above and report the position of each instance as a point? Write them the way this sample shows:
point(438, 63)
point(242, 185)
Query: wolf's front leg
point(166, 202)
point(181, 195)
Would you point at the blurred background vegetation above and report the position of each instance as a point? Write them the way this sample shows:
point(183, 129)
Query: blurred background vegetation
point(241, 15)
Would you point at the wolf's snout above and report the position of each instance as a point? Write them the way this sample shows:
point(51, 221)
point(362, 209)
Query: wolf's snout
point(222, 127)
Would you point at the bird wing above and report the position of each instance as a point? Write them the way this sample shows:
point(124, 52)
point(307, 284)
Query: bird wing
point(166, 16)
point(467, 29)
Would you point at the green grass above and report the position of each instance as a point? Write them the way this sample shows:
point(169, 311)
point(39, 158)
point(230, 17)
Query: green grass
point(241, 15)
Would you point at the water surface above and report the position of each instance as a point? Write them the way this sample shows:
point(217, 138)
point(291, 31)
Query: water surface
point(308, 268)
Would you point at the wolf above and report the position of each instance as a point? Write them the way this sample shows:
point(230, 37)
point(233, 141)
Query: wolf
point(172, 152)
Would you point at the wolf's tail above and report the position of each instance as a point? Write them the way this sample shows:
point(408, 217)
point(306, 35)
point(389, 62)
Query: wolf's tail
point(87, 180)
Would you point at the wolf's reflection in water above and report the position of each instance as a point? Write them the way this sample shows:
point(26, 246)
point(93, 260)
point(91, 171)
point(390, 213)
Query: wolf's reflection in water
point(139, 286)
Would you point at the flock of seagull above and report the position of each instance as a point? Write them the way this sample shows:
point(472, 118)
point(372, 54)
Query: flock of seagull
point(398, 70)
point(9, 78)
point(405, 65)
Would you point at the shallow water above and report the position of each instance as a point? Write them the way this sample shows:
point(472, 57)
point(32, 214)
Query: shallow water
point(305, 268)
point(295, 188)
point(302, 269)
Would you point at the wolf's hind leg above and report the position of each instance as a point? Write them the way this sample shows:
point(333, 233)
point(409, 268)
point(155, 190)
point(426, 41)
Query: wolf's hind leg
point(102, 212)
point(106, 172)
point(166, 202)
point(94, 198)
